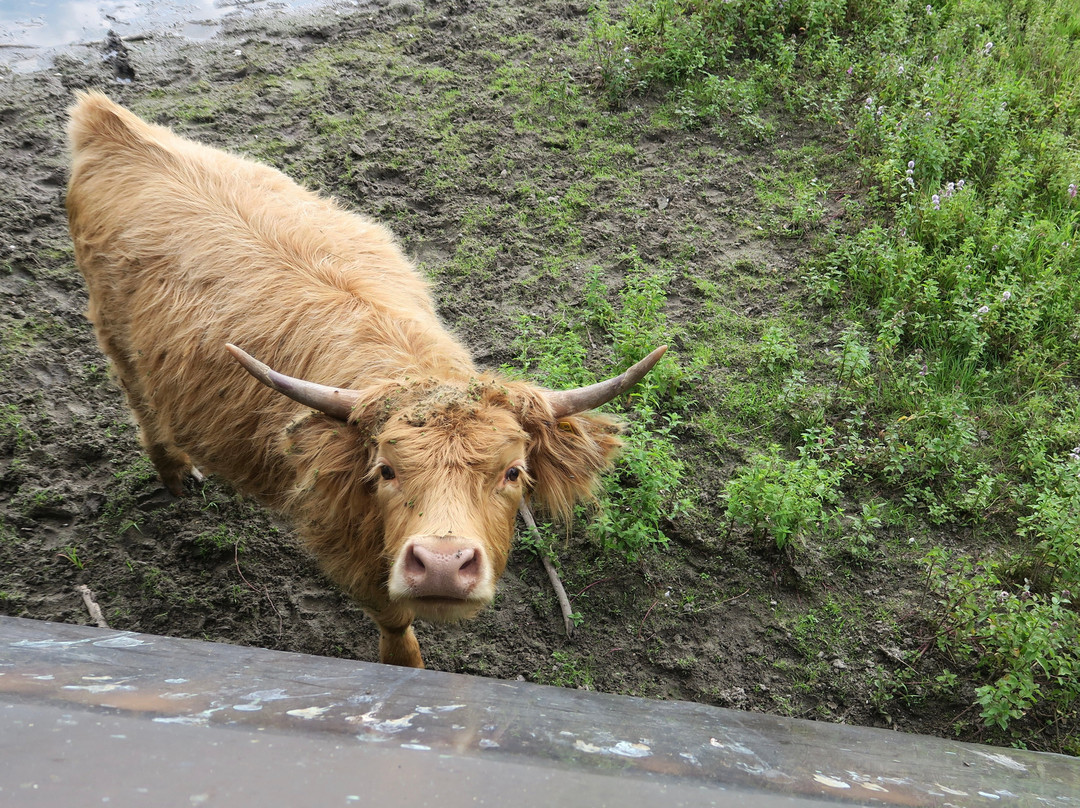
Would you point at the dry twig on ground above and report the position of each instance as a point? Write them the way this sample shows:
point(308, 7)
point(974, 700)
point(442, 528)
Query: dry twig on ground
point(92, 606)
point(553, 575)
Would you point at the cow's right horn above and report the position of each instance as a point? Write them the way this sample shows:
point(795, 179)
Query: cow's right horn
point(333, 401)
point(571, 402)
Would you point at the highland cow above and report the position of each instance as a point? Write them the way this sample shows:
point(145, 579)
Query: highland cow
point(400, 463)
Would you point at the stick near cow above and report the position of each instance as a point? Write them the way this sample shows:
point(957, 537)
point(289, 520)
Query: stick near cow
point(400, 463)
point(92, 606)
point(549, 568)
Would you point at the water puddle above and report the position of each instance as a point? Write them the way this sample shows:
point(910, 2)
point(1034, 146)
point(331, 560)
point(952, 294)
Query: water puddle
point(32, 32)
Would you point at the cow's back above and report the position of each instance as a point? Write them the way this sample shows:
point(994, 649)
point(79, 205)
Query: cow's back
point(186, 248)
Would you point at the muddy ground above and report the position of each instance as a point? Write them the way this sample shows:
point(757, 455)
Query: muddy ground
point(716, 618)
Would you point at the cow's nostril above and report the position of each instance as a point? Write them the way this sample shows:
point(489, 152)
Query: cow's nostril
point(414, 564)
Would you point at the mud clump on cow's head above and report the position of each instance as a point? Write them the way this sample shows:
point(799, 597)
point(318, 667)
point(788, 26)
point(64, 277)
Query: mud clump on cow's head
point(429, 477)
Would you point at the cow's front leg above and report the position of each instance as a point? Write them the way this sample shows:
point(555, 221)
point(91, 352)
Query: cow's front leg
point(399, 648)
point(397, 642)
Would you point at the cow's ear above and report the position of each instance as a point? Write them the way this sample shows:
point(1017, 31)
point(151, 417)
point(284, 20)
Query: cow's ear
point(319, 446)
point(566, 457)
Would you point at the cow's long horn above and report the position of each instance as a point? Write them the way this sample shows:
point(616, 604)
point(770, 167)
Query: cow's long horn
point(333, 401)
point(570, 402)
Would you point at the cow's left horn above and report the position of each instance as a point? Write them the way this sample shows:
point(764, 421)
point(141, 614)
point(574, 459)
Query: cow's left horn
point(571, 402)
point(333, 401)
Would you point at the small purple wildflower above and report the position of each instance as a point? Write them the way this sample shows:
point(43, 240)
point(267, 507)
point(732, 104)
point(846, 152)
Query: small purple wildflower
point(1072, 190)
point(1006, 296)
point(935, 200)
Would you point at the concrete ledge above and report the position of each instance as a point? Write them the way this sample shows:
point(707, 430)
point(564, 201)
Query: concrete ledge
point(92, 716)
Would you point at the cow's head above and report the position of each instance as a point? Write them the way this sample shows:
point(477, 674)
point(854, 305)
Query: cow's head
point(428, 475)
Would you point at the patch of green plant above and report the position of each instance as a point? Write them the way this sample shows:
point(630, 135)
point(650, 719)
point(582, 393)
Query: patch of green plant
point(567, 670)
point(788, 499)
point(777, 349)
point(71, 553)
point(954, 384)
point(15, 436)
point(221, 541)
point(644, 489)
point(721, 58)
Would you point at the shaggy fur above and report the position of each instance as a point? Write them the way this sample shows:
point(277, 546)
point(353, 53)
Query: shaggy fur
point(186, 248)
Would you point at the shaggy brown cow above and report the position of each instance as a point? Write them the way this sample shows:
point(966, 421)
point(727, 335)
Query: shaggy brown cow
point(405, 476)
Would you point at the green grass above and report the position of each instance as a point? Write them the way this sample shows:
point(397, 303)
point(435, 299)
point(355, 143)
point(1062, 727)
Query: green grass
point(645, 486)
point(953, 389)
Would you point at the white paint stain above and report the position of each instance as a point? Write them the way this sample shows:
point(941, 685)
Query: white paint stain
point(732, 746)
point(863, 781)
point(121, 641)
point(308, 713)
point(268, 695)
point(99, 688)
point(954, 792)
point(419, 747)
point(188, 720)
point(1003, 760)
point(388, 725)
point(831, 782)
point(445, 708)
point(48, 677)
point(990, 796)
point(487, 743)
point(196, 720)
point(620, 748)
point(176, 681)
point(48, 643)
point(257, 698)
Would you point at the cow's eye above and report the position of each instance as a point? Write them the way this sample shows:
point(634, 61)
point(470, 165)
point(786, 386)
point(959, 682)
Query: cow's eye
point(387, 472)
point(513, 473)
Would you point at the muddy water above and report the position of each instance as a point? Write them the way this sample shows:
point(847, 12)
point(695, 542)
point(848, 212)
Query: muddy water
point(32, 32)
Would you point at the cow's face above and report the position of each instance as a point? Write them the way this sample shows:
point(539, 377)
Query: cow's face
point(449, 471)
point(411, 504)
point(449, 478)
